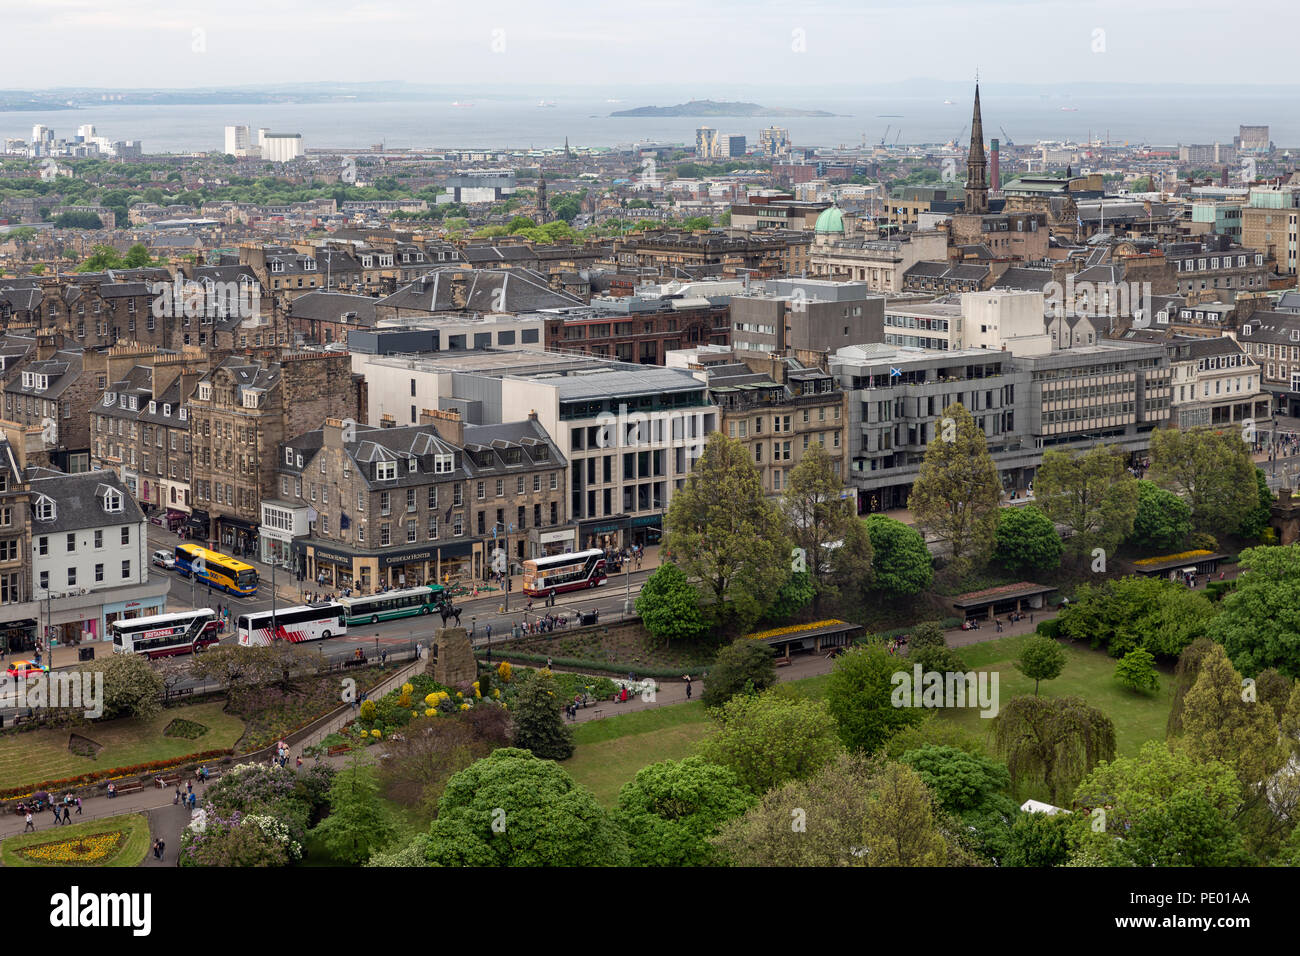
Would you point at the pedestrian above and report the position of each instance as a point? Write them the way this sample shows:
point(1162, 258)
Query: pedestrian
point(299, 763)
point(30, 825)
point(78, 801)
point(688, 686)
point(176, 798)
point(162, 849)
point(156, 854)
point(67, 816)
point(189, 786)
point(548, 663)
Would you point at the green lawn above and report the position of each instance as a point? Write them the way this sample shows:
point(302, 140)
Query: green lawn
point(1088, 674)
point(65, 843)
point(39, 755)
point(612, 750)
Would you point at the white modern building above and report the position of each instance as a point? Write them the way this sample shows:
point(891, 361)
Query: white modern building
point(279, 147)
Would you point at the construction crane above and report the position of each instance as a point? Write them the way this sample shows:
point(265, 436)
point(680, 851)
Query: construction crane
point(956, 140)
point(1005, 138)
point(888, 127)
point(897, 136)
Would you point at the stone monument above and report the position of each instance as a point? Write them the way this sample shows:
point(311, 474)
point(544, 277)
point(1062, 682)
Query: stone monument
point(451, 660)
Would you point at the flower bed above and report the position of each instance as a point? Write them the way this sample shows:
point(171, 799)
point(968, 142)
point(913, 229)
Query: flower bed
point(88, 850)
point(791, 629)
point(1183, 556)
point(117, 841)
point(111, 773)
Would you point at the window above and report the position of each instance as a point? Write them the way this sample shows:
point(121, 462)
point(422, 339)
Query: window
point(99, 538)
point(43, 546)
point(385, 470)
point(45, 508)
point(72, 577)
point(72, 543)
point(385, 535)
point(126, 569)
point(99, 574)
point(412, 533)
point(45, 580)
point(482, 488)
point(555, 480)
point(126, 534)
point(410, 499)
point(501, 487)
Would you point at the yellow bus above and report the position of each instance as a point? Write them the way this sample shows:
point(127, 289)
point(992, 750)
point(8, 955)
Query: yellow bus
point(216, 569)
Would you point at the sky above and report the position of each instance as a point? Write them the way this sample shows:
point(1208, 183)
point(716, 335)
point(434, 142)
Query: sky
point(708, 48)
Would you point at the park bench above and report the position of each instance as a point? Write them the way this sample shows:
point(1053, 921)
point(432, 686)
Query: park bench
point(166, 780)
point(337, 749)
point(783, 662)
point(598, 713)
point(128, 788)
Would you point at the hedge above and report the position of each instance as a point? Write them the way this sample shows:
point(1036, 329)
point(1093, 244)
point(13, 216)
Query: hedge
point(581, 664)
point(1050, 628)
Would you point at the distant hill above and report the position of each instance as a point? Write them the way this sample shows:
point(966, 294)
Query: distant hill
point(718, 108)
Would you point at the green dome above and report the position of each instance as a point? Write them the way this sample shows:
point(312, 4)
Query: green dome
point(831, 220)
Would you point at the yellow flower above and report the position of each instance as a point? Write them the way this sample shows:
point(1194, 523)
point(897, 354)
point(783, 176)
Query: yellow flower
point(496, 692)
point(464, 706)
point(407, 690)
point(459, 694)
point(376, 733)
point(430, 712)
point(792, 629)
point(432, 699)
point(1182, 556)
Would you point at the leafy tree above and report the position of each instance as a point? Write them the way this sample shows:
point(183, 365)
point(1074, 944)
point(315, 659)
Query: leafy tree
point(793, 596)
point(927, 634)
point(933, 731)
point(768, 739)
point(671, 810)
point(852, 812)
point(1091, 494)
point(512, 809)
point(78, 220)
point(1026, 540)
point(957, 491)
point(358, 824)
point(1153, 796)
point(1212, 470)
point(521, 222)
point(1259, 624)
point(1256, 522)
point(1186, 671)
point(698, 222)
point(1052, 741)
point(820, 518)
point(538, 722)
point(1161, 615)
point(433, 749)
point(1037, 840)
point(961, 782)
point(723, 533)
point(859, 696)
point(131, 687)
point(137, 257)
point(1041, 658)
point(1163, 520)
point(101, 258)
point(1136, 670)
point(742, 667)
point(669, 606)
point(900, 559)
point(1218, 724)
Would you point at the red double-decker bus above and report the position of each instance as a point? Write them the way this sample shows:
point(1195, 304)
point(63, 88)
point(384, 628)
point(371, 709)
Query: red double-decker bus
point(564, 572)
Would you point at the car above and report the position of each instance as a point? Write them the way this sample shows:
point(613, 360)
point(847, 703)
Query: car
point(27, 668)
point(163, 559)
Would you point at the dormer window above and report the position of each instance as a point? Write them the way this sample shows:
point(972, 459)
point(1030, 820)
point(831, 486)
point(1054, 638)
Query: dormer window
point(45, 508)
point(167, 410)
point(185, 414)
point(385, 470)
point(205, 391)
point(444, 464)
point(134, 404)
point(288, 456)
point(1245, 330)
point(153, 408)
point(277, 265)
point(112, 502)
point(411, 465)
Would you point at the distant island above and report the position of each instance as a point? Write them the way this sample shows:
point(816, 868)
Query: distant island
point(718, 108)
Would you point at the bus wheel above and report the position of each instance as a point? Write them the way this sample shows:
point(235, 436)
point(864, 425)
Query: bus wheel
point(325, 635)
point(374, 619)
point(425, 609)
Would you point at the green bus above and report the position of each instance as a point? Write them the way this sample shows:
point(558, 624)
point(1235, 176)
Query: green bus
point(426, 599)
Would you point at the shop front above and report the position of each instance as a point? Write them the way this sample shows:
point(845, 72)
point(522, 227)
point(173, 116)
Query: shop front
point(282, 521)
point(18, 636)
point(198, 526)
point(543, 544)
point(238, 538)
point(604, 533)
point(128, 610)
point(336, 568)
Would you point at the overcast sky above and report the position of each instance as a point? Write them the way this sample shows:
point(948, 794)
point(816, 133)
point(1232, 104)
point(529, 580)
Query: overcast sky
point(707, 46)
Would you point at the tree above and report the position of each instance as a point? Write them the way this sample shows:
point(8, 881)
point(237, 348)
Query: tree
point(137, 256)
point(1163, 520)
point(900, 559)
point(820, 519)
point(1052, 741)
point(538, 721)
point(512, 809)
point(859, 697)
point(957, 491)
point(1136, 670)
point(1041, 658)
point(358, 824)
point(790, 598)
point(724, 534)
point(962, 783)
point(926, 634)
point(1219, 724)
point(1161, 615)
point(78, 220)
point(1259, 622)
point(671, 810)
point(1186, 671)
point(768, 739)
point(101, 258)
point(853, 812)
point(697, 222)
point(1147, 801)
point(1092, 494)
point(433, 749)
point(1037, 840)
point(742, 667)
point(1256, 522)
point(1026, 540)
point(1212, 470)
point(669, 606)
point(131, 687)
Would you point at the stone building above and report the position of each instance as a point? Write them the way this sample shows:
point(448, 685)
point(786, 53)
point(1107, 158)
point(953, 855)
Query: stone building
point(239, 414)
point(403, 506)
point(54, 391)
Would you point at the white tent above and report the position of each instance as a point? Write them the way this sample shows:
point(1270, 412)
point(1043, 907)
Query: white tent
point(1037, 806)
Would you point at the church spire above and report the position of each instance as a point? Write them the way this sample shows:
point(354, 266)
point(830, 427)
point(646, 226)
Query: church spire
point(977, 177)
